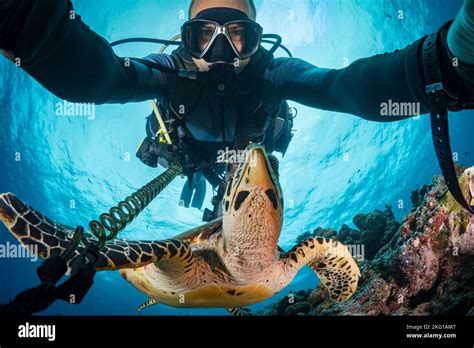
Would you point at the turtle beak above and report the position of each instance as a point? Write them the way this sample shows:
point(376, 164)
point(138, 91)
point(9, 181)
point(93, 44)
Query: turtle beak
point(258, 171)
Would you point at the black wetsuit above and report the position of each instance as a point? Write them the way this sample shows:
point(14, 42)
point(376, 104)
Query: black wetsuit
point(76, 64)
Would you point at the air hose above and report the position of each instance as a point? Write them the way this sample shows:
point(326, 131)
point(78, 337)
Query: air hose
point(118, 217)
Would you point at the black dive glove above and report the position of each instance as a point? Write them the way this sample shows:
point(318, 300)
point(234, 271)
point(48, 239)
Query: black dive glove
point(6, 4)
point(31, 301)
point(13, 14)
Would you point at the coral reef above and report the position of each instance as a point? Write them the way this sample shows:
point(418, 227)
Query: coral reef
point(293, 304)
point(422, 266)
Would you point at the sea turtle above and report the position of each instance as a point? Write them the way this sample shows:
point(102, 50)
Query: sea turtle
point(230, 262)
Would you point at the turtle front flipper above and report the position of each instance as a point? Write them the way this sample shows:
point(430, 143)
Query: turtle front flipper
point(331, 261)
point(33, 229)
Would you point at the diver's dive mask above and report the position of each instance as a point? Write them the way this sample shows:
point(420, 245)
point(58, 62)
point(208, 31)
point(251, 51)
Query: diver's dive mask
point(221, 35)
point(213, 42)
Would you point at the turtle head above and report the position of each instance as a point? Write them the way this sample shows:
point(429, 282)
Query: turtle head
point(252, 203)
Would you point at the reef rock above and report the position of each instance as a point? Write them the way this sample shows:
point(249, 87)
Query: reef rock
point(293, 304)
point(421, 267)
point(298, 308)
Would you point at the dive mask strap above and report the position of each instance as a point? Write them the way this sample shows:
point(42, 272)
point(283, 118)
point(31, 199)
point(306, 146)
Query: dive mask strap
point(439, 119)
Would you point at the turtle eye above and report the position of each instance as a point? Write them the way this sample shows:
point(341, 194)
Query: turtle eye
point(240, 199)
point(272, 197)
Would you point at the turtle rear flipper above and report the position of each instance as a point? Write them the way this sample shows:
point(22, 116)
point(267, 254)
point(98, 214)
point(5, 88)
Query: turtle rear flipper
point(239, 311)
point(33, 229)
point(148, 303)
point(331, 261)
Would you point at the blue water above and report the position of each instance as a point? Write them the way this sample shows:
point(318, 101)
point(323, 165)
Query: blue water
point(73, 168)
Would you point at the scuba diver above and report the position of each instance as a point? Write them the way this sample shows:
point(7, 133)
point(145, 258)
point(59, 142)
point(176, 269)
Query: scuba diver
point(221, 89)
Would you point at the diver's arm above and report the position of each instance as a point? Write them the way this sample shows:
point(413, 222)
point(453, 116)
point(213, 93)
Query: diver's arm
point(360, 89)
point(367, 85)
point(51, 42)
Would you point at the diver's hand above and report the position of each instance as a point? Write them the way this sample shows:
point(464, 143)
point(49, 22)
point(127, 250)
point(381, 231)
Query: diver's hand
point(4, 4)
point(5, 8)
point(461, 34)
